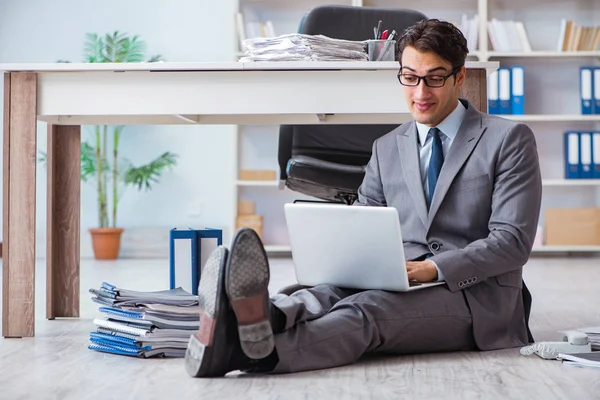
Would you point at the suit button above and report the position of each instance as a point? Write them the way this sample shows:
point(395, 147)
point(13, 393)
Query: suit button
point(435, 246)
point(461, 284)
point(474, 279)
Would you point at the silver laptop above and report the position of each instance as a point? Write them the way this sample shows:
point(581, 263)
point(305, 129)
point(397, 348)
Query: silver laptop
point(348, 246)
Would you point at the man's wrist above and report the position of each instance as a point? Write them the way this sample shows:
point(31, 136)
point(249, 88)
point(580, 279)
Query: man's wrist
point(440, 275)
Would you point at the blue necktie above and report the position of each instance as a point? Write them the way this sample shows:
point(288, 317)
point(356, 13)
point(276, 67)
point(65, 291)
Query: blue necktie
point(435, 161)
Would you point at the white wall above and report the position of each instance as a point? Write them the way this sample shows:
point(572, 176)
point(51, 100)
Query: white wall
point(199, 191)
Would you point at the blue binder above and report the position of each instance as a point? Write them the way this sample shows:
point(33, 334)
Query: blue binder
point(571, 155)
point(596, 91)
point(493, 106)
point(586, 84)
point(195, 236)
point(518, 90)
point(585, 155)
point(596, 155)
point(504, 91)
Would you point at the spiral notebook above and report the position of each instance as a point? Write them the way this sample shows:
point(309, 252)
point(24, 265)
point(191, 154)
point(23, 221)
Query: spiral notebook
point(144, 319)
point(122, 327)
point(121, 350)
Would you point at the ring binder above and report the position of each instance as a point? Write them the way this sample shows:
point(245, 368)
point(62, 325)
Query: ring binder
point(197, 256)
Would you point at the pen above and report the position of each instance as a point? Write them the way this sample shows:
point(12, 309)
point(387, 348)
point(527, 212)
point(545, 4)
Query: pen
point(384, 35)
point(378, 30)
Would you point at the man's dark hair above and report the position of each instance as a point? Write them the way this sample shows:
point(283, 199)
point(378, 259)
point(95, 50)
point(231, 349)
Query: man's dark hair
point(439, 37)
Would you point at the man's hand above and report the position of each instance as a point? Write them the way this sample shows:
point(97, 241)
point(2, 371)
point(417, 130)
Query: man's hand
point(421, 271)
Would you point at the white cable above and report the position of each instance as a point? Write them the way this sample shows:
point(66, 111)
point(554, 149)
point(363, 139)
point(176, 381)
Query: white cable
point(541, 349)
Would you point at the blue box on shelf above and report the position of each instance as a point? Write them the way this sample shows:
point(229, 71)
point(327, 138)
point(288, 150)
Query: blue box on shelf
point(195, 237)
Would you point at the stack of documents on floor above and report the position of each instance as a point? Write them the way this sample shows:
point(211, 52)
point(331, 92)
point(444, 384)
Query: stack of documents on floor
point(144, 324)
point(301, 47)
point(593, 334)
point(589, 360)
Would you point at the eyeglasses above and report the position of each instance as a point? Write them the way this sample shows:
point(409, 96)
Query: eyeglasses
point(433, 81)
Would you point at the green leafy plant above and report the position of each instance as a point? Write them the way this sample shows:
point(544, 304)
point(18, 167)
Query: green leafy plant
point(111, 172)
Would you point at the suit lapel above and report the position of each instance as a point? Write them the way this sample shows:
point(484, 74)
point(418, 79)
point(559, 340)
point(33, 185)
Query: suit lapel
point(409, 159)
point(462, 146)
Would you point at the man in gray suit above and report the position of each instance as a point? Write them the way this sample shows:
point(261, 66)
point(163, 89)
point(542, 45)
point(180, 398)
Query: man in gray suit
point(467, 188)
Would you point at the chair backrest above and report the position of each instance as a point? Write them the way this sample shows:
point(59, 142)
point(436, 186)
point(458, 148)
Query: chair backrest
point(343, 144)
point(356, 23)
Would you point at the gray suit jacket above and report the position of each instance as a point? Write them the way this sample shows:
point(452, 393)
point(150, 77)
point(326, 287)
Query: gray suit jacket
point(483, 217)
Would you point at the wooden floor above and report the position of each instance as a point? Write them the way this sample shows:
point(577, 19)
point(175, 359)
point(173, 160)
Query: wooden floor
point(56, 364)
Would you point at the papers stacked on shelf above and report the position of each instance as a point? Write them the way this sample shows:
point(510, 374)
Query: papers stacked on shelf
point(144, 324)
point(301, 47)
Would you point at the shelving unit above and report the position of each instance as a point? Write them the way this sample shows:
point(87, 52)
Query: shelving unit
point(554, 118)
point(491, 55)
point(551, 91)
point(566, 249)
point(571, 182)
point(258, 183)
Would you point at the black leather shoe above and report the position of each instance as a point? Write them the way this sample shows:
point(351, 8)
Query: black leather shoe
point(246, 284)
point(210, 352)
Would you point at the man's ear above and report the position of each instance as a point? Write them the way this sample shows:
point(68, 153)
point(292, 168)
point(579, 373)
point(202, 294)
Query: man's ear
point(461, 76)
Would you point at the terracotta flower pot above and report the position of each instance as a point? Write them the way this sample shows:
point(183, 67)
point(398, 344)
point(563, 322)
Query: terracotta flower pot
point(106, 242)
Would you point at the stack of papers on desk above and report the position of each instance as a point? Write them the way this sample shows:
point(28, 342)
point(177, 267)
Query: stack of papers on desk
point(301, 47)
point(144, 324)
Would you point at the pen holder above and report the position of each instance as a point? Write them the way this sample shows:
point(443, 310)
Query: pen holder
point(381, 50)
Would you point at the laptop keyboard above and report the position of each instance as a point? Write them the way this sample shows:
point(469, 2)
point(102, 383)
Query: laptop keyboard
point(414, 283)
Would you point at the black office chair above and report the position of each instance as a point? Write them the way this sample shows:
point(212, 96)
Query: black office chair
point(328, 161)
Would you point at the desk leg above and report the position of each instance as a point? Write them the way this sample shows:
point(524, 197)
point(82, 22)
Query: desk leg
point(18, 183)
point(62, 242)
point(475, 89)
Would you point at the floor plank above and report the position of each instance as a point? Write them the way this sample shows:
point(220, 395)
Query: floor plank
point(57, 364)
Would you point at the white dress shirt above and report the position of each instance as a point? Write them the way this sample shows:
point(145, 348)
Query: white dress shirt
point(448, 130)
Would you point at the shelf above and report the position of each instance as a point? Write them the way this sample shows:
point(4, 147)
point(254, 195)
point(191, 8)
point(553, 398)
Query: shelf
point(570, 182)
point(538, 249)
point(545, 182)
point(277, 248)
point(552, 117)
point(541, 54)
point(258, 183)
point(566, 249)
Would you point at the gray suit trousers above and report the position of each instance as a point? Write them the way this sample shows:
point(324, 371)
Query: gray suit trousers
point(328, 327)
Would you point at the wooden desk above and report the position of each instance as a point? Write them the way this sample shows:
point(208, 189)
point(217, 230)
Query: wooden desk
point(69, 95)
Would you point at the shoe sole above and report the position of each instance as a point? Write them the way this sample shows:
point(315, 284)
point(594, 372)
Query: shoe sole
point(207, 350)
point(246, 284)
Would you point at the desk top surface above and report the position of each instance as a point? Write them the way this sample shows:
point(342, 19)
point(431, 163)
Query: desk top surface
point(219, 66)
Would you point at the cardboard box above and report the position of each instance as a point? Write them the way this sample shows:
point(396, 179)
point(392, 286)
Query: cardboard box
point(250, 221)
point(257, 175)
point(246, 207)
point(572, 226)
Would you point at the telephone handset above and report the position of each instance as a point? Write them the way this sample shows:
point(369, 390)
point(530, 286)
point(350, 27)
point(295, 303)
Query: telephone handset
point(572, 342)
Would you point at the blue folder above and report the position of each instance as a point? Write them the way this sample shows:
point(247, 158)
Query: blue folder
point(572, 155)
point(596, 155)
point(504, 90)
point(586, 84)
point(585, 155)
point(518, 90)
point(596, 91)
point(493, 105)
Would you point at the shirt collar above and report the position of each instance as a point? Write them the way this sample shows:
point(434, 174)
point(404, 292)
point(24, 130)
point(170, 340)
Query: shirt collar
point(448, 126)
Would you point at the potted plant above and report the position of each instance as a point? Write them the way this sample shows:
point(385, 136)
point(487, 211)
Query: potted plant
point(101, 163)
